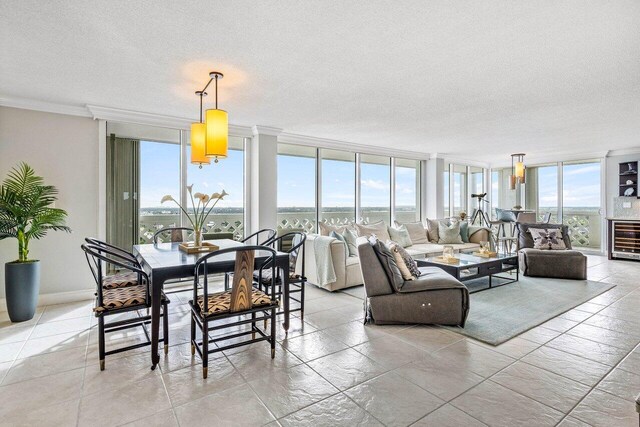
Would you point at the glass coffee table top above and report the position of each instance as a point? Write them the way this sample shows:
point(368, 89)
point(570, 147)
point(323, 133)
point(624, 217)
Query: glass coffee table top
point(469, 260)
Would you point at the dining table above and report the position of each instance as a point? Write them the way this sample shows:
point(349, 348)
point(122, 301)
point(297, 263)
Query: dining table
point(166, 261)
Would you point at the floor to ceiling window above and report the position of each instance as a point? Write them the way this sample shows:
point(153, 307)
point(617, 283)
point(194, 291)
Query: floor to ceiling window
point(446, 189)
point(459, 184)
point(297, 187)
point(541, 190)
point(476, 186)
point(407, 191)
point(338, 195)
point(581, 202)
point(228, 175)
point(375, 188)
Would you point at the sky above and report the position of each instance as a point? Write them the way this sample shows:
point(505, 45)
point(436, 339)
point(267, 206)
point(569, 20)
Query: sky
point(160, 175)
point(580, 186)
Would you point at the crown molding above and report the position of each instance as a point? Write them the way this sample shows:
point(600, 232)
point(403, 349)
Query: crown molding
point(624, 152)
point(47, 107)
point(312, 141)
point(265, 130)
point(151, 119)
point(566, 156)
point(459, 160)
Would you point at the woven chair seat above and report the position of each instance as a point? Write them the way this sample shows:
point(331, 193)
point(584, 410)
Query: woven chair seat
point(266, 276)
point(220, 303)
point(120, 280)
point(117, 298)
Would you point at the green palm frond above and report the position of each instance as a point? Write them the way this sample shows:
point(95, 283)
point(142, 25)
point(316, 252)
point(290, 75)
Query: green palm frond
point(25, 208)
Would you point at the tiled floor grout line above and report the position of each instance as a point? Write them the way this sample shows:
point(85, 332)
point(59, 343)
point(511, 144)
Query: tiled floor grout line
point(598, 383)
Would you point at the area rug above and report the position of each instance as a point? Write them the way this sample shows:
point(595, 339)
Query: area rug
point(499, 314)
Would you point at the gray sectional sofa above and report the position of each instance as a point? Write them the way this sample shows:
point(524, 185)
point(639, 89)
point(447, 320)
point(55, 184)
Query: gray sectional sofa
point(434, 298)
point(560, 264)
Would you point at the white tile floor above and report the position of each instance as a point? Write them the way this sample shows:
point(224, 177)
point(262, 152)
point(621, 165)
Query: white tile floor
point(579, 369)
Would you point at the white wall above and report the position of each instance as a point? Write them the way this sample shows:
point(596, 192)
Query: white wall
point(64, 150)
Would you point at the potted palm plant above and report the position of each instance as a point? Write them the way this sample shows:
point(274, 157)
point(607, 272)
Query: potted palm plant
point(26, 213)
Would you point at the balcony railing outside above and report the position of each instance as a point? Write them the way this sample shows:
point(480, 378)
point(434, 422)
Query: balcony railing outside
point(584, 228)
point(218, 223)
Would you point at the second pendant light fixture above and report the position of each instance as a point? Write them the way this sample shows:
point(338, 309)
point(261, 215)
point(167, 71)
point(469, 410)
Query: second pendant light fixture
point(210, 139)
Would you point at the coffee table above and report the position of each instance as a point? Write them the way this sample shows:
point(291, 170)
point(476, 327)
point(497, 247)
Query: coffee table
point(473, 267)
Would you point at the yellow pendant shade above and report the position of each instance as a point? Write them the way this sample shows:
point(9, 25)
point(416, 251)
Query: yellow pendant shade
point(198, 143)
point(519, 171)
point(217, 141)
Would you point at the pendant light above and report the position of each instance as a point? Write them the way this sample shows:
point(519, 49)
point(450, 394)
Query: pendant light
point(199, 138)
point(217, 126)
point(517, 170)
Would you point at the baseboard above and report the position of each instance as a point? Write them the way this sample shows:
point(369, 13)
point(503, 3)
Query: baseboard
point(57, 298)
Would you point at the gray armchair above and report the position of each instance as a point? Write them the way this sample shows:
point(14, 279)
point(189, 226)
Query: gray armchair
point(434, 298)
point(560, 264)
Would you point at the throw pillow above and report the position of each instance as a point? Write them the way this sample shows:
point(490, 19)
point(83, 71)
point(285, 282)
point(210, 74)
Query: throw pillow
point(340, 237)
point(407, 265)
point(417, 232)
point(433, 229)
point(326, 229)
point(549, 239)
point(449, 234)
point(464, 231)
point(350, 240)
point(388, 263)
point(378, 229)
point(400, 235)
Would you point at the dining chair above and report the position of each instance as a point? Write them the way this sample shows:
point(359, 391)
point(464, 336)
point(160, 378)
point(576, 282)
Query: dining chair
point(116, 278)
point(117, 300)
point(261, 237)
point(243, 299)
point(293, 244)
point(174, 234)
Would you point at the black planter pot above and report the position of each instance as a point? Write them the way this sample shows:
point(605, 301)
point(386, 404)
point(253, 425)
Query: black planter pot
point(22, 285)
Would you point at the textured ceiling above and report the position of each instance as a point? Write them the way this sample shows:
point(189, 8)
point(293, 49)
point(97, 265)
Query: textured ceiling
point(473, 79)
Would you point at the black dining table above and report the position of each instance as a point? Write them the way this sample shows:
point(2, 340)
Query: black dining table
point(165, 261)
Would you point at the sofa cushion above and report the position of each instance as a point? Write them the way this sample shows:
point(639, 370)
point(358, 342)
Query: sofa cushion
point(427, 249)
point(431, 278)
point(567, 264)
point(326, 229)
point(340, 237)
point(448, 234)
point(464, 231)
point(432, 229)
point(378, 229)
point(547, 239)
point(388, 263)
point(400, 235)
point(525, 240)
point(407, 265)
point(375, 278)
point(350, 238)
point(417, 232)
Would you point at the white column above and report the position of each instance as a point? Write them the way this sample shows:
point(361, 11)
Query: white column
point(434, 189)
point(263, 152)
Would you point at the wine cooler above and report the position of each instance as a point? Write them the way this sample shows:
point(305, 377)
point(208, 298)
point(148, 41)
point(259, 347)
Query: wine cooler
point(624, 239)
